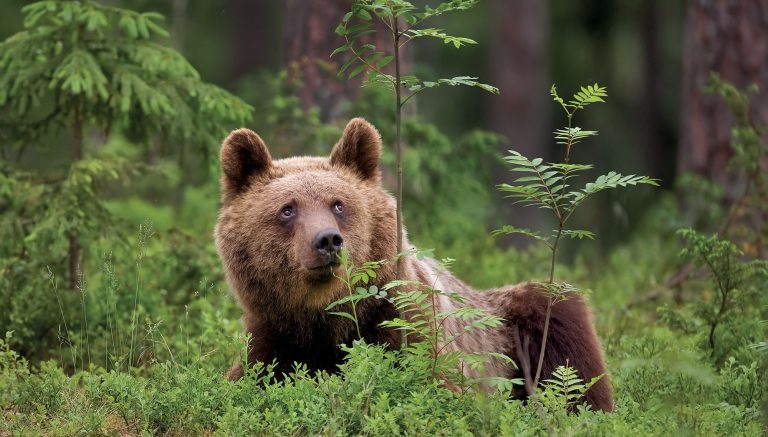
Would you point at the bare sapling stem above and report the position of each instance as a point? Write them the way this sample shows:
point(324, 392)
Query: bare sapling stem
point(560, 223)
point(398, 154)
point(551, 302)
point(398, 142)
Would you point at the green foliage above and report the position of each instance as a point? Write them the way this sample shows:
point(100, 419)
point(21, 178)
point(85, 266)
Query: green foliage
point(376, 393)
point(748, 148)
point(436, 319)
point(546, 186)
point(437, 165)
point(561, 395)
point(401, 18)
point(425, 322)
point(12, 369)
point(353, 276)
point(727, 300)
point(79, 65)
point(42, 392)
point(288, 128)
point(366, 57)
point(738, 286)
point(740, 384)
point(101, 64)
point(738, 212)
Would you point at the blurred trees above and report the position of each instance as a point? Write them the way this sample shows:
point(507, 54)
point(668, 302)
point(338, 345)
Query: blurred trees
point(651, 121)
point(308, 40)
point(253, 45)
point(519, 67)
point(632, 47)
point(78, 66)
point(730, 38)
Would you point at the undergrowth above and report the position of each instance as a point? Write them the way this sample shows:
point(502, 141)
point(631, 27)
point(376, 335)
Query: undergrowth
point(665, 380)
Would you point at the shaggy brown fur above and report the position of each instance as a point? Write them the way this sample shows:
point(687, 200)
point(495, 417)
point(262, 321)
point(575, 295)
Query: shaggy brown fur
point(274, 213)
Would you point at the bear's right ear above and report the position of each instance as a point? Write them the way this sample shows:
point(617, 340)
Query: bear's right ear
point(359, 149)
point(243, 155)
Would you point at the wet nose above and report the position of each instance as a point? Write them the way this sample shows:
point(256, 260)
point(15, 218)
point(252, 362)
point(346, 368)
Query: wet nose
point(328, 243)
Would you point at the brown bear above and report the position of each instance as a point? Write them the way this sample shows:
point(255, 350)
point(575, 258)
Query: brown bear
point(280, 228)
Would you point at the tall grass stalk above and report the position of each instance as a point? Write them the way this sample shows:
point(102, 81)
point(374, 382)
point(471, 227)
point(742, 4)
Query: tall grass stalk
point(55, 285)
point(145, 232)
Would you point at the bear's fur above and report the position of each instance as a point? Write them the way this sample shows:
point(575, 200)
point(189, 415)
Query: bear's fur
point(277, 220)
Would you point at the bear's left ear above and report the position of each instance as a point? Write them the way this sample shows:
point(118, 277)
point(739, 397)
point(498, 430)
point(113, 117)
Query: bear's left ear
point(359, 149)
point(243, 155)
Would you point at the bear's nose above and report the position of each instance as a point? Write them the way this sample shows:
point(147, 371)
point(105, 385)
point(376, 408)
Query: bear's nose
point(328, 243)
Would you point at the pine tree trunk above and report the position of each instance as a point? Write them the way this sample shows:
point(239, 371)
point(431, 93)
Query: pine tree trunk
point(729, 37)
point(519, 66)
point(650, 121)
point(309, 39)
point(255, 25)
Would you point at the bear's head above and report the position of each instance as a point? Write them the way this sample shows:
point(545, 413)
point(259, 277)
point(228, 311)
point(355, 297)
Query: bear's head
point(283, 222)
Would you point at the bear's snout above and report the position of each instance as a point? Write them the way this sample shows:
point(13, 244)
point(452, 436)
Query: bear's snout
point(327, 244)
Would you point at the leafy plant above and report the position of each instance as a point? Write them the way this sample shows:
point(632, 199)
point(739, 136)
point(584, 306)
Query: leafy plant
point(402, 20)
point(735, 280)
point(745, 221)
point(438, 319)
point(78, 64)
point(564, 389)
point(459, 369)
point(351, 279)
point(548, 186)
point(427, 316)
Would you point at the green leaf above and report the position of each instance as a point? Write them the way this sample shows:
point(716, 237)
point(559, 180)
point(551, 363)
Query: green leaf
point(341, 49)
point(511, 230)
point(359, 69)
point(578, 234)
point(383, 62)
point(363, 14)
point(346, 65)
point(342, 314)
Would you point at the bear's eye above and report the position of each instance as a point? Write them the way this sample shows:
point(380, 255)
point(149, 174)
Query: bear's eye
point(338, 207)
point(287, 212)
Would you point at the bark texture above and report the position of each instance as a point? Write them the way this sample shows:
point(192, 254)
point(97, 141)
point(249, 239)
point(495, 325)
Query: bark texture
point(308, 40)
point(520, 68)
point(519, 57)
point(729, 37)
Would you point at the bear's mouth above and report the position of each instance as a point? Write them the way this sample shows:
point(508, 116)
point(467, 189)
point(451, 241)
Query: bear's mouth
point(322, 274)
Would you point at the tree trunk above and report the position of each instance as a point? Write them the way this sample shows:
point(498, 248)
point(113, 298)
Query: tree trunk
point(729, 37)
point(519, 56)
point(178, 24)
point(308, 41)
point(650, 124)
point(255, 26)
